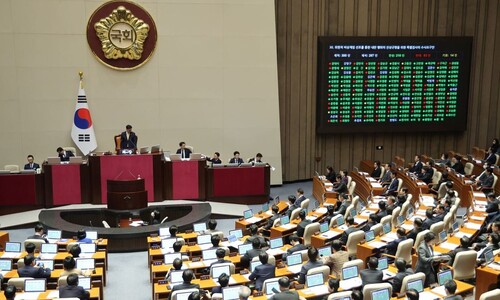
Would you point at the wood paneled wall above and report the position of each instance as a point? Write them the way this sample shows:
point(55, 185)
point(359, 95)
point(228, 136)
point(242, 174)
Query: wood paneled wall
point(300, 22)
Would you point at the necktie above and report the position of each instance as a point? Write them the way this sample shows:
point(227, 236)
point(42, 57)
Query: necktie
point(31, 166)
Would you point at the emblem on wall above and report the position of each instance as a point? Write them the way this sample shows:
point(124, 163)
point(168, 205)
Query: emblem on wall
point(122, 35)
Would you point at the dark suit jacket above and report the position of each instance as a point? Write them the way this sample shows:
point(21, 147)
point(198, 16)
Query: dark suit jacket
point(301, 227)
point(234, 161)
point(454, 253)
point(37, 237)
point(454, 297)
point(424, 263)
point(488, 181)
point(387, 177)
point(392, 246)
point(458, 167)
point(187, 152)
point(299, 200)
point(491, 159)
point(298, 247)
point(130, 143)
point(427, 223)
point(262, 240)
point(413, 233)
point(306, 267)
point(73, 291)
point(381, 214)
point(34, 167)
point(261, 273)
point(288, 212)
point(417, 167)
point(346, 233)
point(425, 177)
point(35, 272)
point(286, 295)
point(343, 207)
point(376, 172)
point(397, 281)
point(252, 253)
point(270, 221)
point(214, 161)
point(492, 206)
point(369, 276)
point(341, 188)
point(184, 286)
point(390, 208)
point(393, 187)
point(66, 155)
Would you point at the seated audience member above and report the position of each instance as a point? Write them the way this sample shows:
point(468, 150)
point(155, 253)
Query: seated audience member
point(244, 292)
point(386, 179)
point(412, 294)
point(284, 292)
point(392, 246)
point(457, 165)
point(330, 174)
point(371, 275)
point(350, 229)
point(39, 235)
point(255, 235)
point(211, 226)
point(292, 204)
point(402, 196)
point(417, 228)
point(342, 208)
point(263, 271)
point(75, 251)
point(493, 244)
point(256, 159)
point(390, 204)
point(173, 230)
point(72, 289)
point(357, 295)
point(187, 276)
point(440, 213)
point(392, 189)
point(223, 282)
point(377, 170)
point(300, 197)
point(275, 209)
point(482, 240)
point(344, 173)
point(220, 253)
point(296, 243)
point(31, 165)
point(486, 183)
point(64, 155)
point(333, 285)
point(447, 206)
point(183, 151)
point(337, 259)
point(372, 221)
point(444, 179)
point(69, 264)
point(492, 206)
point(196, 295)
point(250, 254)
point(443, 159)
point(425, 175)
point(30, 270)
point(236, 158)
point(176, 266)
point(215, 160)
point(491, 158)
point(10, 292)
point(313, 262)
point(330, 213)
point(82, 237)
point(382, 212)
point(417, 166)
point(429, 219)
point(464, 246)
point(303, 223)
point(341, 187)
point(397, 281)
point(450, 288)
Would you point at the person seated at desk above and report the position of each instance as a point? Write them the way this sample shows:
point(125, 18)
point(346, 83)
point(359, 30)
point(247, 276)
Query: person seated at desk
point(330, 213)
point(223, 282)
point(69, 264)
point(450, 288)
point(183, 151)
point(447, 205)
point(351, 228)
point(30, 270)
point(73, 290)
point(292, 204)
point(250, 254)
point(371, 275)
point(402, 196)
point(390, 205)
point(382, 210)
point(337, 259)
point(417, 228)
point(285, 293)
point(440, 212)
point(313, 262)
point(10, 292)
point(342, 208)
point(397, 281)
point(392, 189)
point(392, 246)
point(215, 160)
point(244, 293)
point(82, 237)
point(236, 158)
point(457, 165)
point(211, 227)
point(155, 217)
point(357, 295)
point(256, 159)
point(31, 165)
point(263, 271)
point(373, 220)
point(301, 227)
point(275, 209)
point(30, 249)
point(412, 294)
point(482, 239)
point(443, 159)
point(486, 181)
point(417, 166)
point(220, 253)
point(64, 155)
point(296, 243)
point(187, 276)
point(493, 244)
point(492, 206)
point(491, 158)
point(386, 179)
point(464, 246)
point(429, 214)
point(341, 187)
point(444, 178)
point(176, 266)
point(300, 197)
point(377, 170)
point(425, 175)
point(173, 231)
point(330, 174)
point(39, 235)
point(128, 139)
point(75, 251)
point(255, 235)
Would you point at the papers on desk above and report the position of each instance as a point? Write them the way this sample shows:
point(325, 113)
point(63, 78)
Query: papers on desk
point(317, 290)
point(373, 206)
point(49, 256)
point(421, 183)
point(322, 210)
point(328, 184)
point(311, 218)
point(376, 244)
point(366, 213)
point(371, 179)
point(391, 236)
point(84, 255)
point(439, 290)
point(359, 220)
point(407, 226)
point(11, 255)
point(275, 252)
point(136, 223)
point(428, 200)
point(461, 234)
point(343, 227)
point(477, 218)
point(449, 246)
point(205, 246)
point(295, 268)
point(494, 266)
point(479, 194)
point(196, 265)
point(269, 213)
point(473, 226)
point(30, 295)
point(427, 296)
point(420, 212)
point(53, 294)
point(350, 283)
point(480, 208)
point(388, 275)
point(253, 220)
point(375, 184)
point(288, 226)
point(233, 244)
point(363, 173)
point(330, 234)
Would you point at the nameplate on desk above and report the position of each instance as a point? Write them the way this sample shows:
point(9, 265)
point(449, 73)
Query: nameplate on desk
point(204, 277)
point(160, 282)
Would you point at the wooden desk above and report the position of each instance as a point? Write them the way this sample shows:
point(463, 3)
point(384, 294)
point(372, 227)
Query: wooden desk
point(364, 187)
point(320, 192)
point(184, 179)
point(4, 238)
point(486, 279)
point(243, 225)
point(94, 294)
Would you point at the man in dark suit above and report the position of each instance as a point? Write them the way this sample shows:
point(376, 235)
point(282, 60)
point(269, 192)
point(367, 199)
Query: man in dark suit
point(397, 281)
point(39, 235)
point(72, 289)
point(344, 205)
point(183, 151)
point(425, 175)
point(487, 181)
point(491, 159)
point(393, 186)
point(376, 169)
point(236, 158)
point(464, 246)
point(262, 272)
point(215, 160)
point(275, 209)
point(256, 159)
point(372, 221)
point(313, 262)
point(254, 252)
point(31, 165)
point(417, 228)
point(10, 292)
point(341, 185)
point(386, 179)
point(223, 281)
point(350, 222)
point(295, 241)
point(429, 220)
point(450, 288)
point(492, 206)
point(301, 227)
point(457, 164)
point(392, 246)
point(426, 258)
point(292, 204)
point(64, 155)
point(30, 270)
point(440, 213)
point(128, 139)
point(187, 276)
point(371, 275)
point(330, 213)
point(254, 231)
point(220, 253)
point(382, 209)
point(300, 197)
point(285, 293)
point(417, 166)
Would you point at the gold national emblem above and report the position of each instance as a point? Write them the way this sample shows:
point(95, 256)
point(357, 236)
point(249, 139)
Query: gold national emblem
point(122, 35)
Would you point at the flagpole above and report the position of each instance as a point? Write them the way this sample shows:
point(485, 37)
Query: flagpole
point(81, 79)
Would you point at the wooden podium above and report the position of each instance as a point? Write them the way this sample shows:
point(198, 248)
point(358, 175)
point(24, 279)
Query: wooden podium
point(127, 194)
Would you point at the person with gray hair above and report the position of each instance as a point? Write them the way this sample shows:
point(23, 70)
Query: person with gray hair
point(244, 292)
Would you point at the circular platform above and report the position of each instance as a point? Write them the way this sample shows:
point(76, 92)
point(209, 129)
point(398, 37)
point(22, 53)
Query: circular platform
point(121, 238)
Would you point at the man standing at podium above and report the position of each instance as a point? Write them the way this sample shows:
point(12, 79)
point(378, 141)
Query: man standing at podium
point(128, 139)
point(31, 165)
point(183, 151)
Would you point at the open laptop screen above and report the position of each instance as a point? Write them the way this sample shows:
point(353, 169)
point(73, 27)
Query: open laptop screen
point(444, 277)
point(92, 235)
point(323, 227)
point(209, 254)
point(34, 285)
point(272, 284)
point(382, 263)
point(204, 239)
point(349, 272)
point(294, 259)
point(231, 293)
point(242, 249)
point(176, 276)
point(276, 243)
point(285, 220)
point(238, 233)
point(170, 257)
point(12, 247)
point(417, 284)
point(314, 280)
point(87, 247)
point(325, 251)
point(85, 263)
point(199, 227)
point(85, 283)
point(5, 264)
point(247, 214)
point(217, 270)
point(382, 294)
point(54, 234)
point(49, 248)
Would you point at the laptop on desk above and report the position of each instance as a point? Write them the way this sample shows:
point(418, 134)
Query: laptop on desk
point(35, 285)
point(155, 149)
point(218, 270)
point(350, 278)
point(48, 251)
point(175, 157)
point(76, 160)
point(242, 249)
point(170, 257)
point(294, 262)
point(325, 251)
point(209, 256)
point(204, 239)
point(144, 150)
point(5, 266)
point(315, 284)
point(53, 160)
point(238, 233)
point(195, 156)
point(47, 263)
point(199, 227)
point(54, 235)
point(270, 285)
point(382, 294)
point(417, 284)
point(231, 293)
point(276, 243)
point(85, 263)
point(383, 265)
point(254, 264)
point(85, 283)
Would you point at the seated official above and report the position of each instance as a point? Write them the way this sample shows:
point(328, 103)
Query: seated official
point(392, 189)
point(429, 221)
point(31, 165)
point(425, 175)
point(187, 276)
point(330, 213)
point(292, 204)
point(349, 221)
point(346, 202)
point(220, 253)
point(183, 151)
point(275, 209)
point(341, 187)
point(256, 159)
point(417, 228)
point(440, 212)
point(10, 292)
point(450, 288)
point(392, 246)
point(402, 196)
point(371, 275)
point(215, 160)
point(330, 174)
point(236, 158)
point(386, 178)
point(457, 165)
point(491, 158)
point(417, 166)
point(412, 294)
point(487, 180)
point(377, 170)
point(255, 235)
point(223, 282)
point(73, 290)
point(313, 262)
point(263, 271)
point(492, 206)
point(373, 220)
point(296, 243)
point(30, 270)
point(333, 286)
point(39, 234)
point(397, 281)
point(75, 251)
point(128, 139)
point(337, 259)
point(301, 227)
point(250, 254)
point(69, 264)
point(173, 231)
point(64, 155)
point(176, 266)
point(390, 204)
point(300, 197)
point(493, 245)
point(211, 227)
point(357, 295)
point(284, 292)
point(464, 246)
point(244, 293)
point(82, 237)
point(382, 212)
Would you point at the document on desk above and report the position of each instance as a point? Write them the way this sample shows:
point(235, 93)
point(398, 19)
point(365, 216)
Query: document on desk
point(461, 234)
point(373, 206)
point(288, 226)
point(322, 210)
point(317, 290)
point(275, 252)
point(480, 208)
point(439, 290)
point(53, 295)
point(371, 179)
point(331, 234)
point(295, 268)
point(375, 184)
point(359, 220)
point(427, 296)
point(477, 218)
point(377, 244)
point(350, 283)
point(473, 226)
point(231, 244)
point(391, 236)
point(28, 296)
point(449, 246)
point(311, 218)
point(253, 220)
point(407, 226)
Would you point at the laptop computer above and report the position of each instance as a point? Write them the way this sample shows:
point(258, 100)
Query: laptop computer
point(199, 227)
point(350, 272)
point(92, 235)
point(48, 251)
point(85, 263)
point(455, 226)
point(88, 249)
point(5, 266)
point(13, 247)
point(204, 239)
point(409, 213)
point(217, 270)
point(232, 238)
point(324, 227)
point(369, 236)
point(155, 149)
point(276, 243)
point(488, 256)
point(35, 285)
point(231, 293)
point(164, 231)
point(285, 220)
point(315, 282)
point(195, 156)
point(443, 236)
point(238, 233)
point(85, 283)
point(168, 243)
point(30, 171)
point(382, 294)
point(383, 265)
point(175, 157)
point(209, 254)
point(340, 220)
point(444, 277)
point(47, 263)
point(325, 251)
point(53, 160)
point(400, 219)
point(242, 249)
point(176, 276)
point(76, 160)
point(144, 150)
point(265, 207)
point(254, 264)
point(54, 235)
point(417, 284)
point(183, 295)
point(247, 214)
point(353, 213)
point(386, 228)
point(294, 262)
point(270, 285)
point(350, 278)
point(170, 257)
